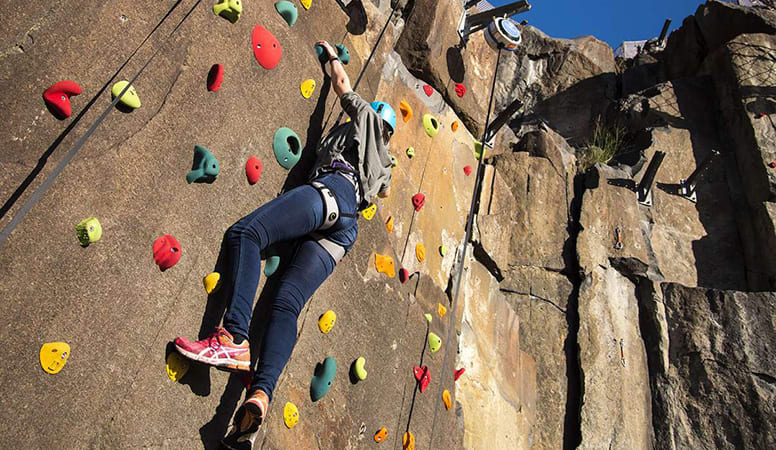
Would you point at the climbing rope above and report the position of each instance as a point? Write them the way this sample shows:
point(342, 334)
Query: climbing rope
point(461, 259)
point(38, 194)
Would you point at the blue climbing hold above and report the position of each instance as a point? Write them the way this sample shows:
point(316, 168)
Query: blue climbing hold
point(205, 168)
point(342, 53)
point(287, 147)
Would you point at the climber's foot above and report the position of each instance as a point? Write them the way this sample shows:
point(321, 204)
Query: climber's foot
point(247, 421)
point(217, 350)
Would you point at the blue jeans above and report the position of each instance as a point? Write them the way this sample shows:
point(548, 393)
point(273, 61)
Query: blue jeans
point(292, 215)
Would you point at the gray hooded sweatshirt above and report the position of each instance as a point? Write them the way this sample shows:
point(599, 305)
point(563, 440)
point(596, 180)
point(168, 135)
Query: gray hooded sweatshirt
point(360, 144)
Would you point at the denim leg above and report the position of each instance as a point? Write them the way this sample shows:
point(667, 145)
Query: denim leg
point(310, 266)
point(296, 213)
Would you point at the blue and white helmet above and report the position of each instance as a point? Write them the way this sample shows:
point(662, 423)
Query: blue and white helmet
point(386, 112)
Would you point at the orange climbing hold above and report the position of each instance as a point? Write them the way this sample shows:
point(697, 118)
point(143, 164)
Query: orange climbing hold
point(381, 434)
point(406, 111)
point(420, 251)
point(389, 224)
point(408, 441)
point(384, 264)
point(441, 310)
point(446, 399)
point(454, 126)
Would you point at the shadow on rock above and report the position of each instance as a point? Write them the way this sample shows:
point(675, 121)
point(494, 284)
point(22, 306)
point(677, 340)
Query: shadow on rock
point(455, 64)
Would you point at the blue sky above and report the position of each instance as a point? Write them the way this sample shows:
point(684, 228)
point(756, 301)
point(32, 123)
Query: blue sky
point(612, 21)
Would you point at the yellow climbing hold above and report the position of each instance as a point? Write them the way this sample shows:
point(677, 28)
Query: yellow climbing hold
point(53, 356)
point(446, 399)
point(442, 250)
point(306, 3)
point(420, 251)
point(477, 149)
point(307, 87)
point(384, 264)
point(130, 98)
point(326, 321)
point(441, 310)
point(406, 111)
point(369, 212)
point(291, 415)
point(389, 224)
point(212, 282)
point(428, 317)
point(177, 366)
point(431, 125)
point(408, 441)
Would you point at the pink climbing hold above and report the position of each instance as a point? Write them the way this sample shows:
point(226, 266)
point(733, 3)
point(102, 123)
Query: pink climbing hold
point(459, 372)
point(428, 90)
point(57, 98)
point(467, 170)
point(460, 90)
point(266, 47)
point(418, 200)
point(167, 252)
point(253, 169)
point(215, 77)
point(423, 375)
point(404, 275)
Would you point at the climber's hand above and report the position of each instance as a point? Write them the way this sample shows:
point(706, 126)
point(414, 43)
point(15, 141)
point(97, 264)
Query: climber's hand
point(331, 51)
point(385, 193)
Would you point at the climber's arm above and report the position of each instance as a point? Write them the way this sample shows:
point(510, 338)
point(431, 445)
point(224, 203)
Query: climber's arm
point(339, 78)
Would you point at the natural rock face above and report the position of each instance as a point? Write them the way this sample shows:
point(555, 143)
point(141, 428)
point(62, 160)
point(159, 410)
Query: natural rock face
point(719, 389)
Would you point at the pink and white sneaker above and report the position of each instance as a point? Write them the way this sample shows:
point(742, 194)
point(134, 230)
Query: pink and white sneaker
point(217, 350)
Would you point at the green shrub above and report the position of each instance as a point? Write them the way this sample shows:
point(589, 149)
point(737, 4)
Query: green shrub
point(605, 143)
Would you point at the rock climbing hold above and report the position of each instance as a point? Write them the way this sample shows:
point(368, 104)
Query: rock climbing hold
point(467, 170)
point(322, 378)
point(228, 9)
point(53, 356)
point(307, 87)
point(57, 98)
point(167, 252)
point(458, 373)
point(442, 250)
point(431, 125)
point(420, 251)
point(327, 321)
point(477, 149)
point(428, 90)
point(290, 415)
point(423, 375)
point(253, 168)
point(418, 200)
point(272, 261)
point(408, 441)
point(205, 167)
point(177, 366)
point(441, 310)
point(454, 126)
point(359, 371)
point(88, 231)
point(215, 77)
point(410, 152)
point(342, 53)
point(434, 342)
point(404, 275)
point(369, 211)
point(287, 147)
point(266, 48)
point(394, 161)
point(384, 264)
point(460, 90)
point(772, 164)
point(428, 317)
point(389, 224)
point(212, 282)
point(381, 434)
point(321, 53)
point(288, 11)
point(130, 99)
point(446, 399)
point(306, 3)
point(406, 111)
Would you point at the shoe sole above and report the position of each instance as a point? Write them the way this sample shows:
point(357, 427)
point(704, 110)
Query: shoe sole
point(230, 365)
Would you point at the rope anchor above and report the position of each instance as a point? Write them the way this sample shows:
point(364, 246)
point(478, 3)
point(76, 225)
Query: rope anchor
point(618, 238)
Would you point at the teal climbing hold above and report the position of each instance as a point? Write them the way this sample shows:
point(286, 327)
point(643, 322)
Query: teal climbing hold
point(271, 262)
point(434, 342)
point(322, 378)
point(287, 147)
point(343, 54)
point(288, 11)
point(322, 57)
point(205, 167)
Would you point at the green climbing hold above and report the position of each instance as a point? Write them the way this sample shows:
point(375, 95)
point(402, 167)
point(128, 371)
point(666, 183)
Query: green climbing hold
point(434, 342)
point(477, 149)
point(394, 161)
point(428, 317)
point(287, 147)
point(431, 125)
point(88, 231)
point(343, 54)
point(443, 250)
point(322, 378)
point(130, 99)
point(228, 9)
point(272, 261)
point(359, 371)
point(288, 11)
point(205, 168)
point(410, 152)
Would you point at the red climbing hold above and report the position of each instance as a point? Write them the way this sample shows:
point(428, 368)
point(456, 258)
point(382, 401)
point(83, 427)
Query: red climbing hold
point(57, 98)
point(459, 372)
point(404, 275)
point(760, 115)
point(253, 169)
point(167, 252)
point(460, 90)
point(772, 165)
point(423, 375)
point(418, 200)
point(428, 90)
point(215, 77)
point(467, 170)
point(266, 47)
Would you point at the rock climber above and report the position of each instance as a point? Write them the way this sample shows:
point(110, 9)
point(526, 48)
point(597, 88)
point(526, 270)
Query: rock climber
point(352, 165)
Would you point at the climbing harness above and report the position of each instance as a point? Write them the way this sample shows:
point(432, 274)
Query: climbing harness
point(331, 214)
